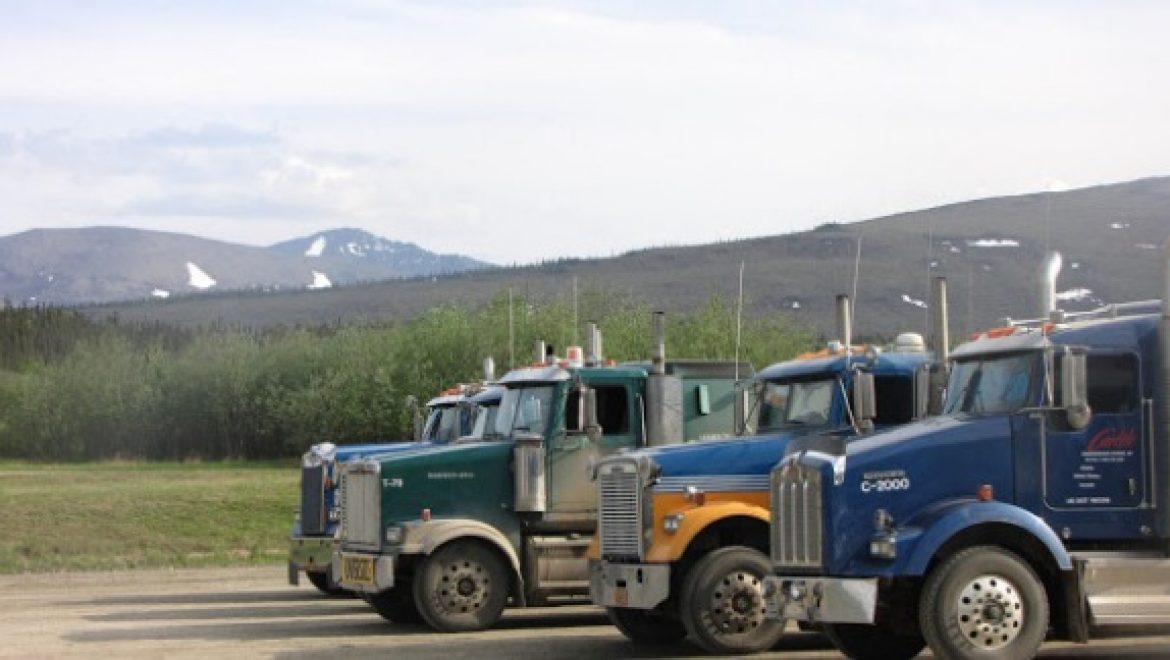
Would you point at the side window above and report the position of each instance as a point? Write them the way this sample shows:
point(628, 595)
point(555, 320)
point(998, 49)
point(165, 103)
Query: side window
point(613, 409)
point(1113, 383)
point(895, 399)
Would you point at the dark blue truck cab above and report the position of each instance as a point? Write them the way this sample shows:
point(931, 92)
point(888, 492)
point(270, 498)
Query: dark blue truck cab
point(1036, 506)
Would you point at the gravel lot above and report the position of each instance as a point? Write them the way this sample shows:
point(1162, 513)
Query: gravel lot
point(252, 612)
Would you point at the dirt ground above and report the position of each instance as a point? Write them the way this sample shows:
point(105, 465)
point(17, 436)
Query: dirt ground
point(252, 612)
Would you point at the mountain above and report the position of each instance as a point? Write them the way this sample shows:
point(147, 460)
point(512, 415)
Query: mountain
point(355, 246)
point(990, 250)
point(102, 264)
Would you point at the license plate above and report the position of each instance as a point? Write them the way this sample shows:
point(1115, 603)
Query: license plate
point(357, 570)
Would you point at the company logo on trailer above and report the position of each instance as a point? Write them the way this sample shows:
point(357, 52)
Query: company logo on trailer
point(1113, 439)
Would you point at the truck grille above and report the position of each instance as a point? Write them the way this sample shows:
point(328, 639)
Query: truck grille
point(313, 501)
point(361, 506)
point(797, 527)
point(619, 510)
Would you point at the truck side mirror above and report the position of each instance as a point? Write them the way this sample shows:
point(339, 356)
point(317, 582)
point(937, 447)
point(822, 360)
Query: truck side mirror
point(589, 405)
point(415, 417)
point(864, 401)
point(1074, 398)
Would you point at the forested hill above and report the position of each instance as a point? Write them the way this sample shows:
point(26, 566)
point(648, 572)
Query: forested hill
point(989, 249)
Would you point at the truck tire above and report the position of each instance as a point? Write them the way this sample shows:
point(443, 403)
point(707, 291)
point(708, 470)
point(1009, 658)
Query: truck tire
point(984, 602)
point(722, 604)
point(462, 586)
point(325, 583)
point(864, 642)
point(395, 605)
point(646, 627)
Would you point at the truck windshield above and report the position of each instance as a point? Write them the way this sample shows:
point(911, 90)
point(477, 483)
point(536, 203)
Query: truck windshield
point(442, 425)
point(525, 409)
point(993, 384)
point(796, 403)
point(485, 422)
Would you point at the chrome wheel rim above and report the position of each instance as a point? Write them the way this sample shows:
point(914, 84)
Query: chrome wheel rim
point(990, 612)
point(736, 605)
point(463, 586)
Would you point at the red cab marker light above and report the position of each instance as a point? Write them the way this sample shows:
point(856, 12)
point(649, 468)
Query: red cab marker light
point(986, 493)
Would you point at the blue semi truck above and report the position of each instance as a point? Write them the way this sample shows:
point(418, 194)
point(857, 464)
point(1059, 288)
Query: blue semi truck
point(682, 543)
point(1035, 507)
point(462, 412)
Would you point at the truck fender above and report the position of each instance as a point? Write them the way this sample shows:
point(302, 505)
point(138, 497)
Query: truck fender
point(671, 547)
point(424, 538)
point(942, 523)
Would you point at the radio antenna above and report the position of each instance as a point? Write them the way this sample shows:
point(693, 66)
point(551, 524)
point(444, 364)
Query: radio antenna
point(739, 321)
point(856, 273)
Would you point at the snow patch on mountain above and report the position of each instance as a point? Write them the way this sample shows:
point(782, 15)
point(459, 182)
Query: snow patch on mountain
point(317, 248)
point(917, 303)
point(994, 242)
point(198, 278)
point(1075, 294)
point(320, 281)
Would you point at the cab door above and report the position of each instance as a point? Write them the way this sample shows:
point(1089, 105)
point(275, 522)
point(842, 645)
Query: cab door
point(572, 453)
point(1094, 482)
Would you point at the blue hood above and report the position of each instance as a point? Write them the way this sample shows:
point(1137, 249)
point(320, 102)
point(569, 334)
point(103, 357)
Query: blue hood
point(753, 455)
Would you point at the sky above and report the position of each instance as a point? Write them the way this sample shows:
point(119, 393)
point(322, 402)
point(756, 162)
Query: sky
point(521, 131)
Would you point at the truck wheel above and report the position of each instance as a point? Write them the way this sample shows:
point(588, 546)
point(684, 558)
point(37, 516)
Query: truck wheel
point(722, 602)
point(462, 586)
point(984, 602)
point(864, 642)
point(646, 627)
point(395, 605)
point(325, 583)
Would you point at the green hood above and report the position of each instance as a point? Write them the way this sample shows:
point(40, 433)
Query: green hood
point(453, 481)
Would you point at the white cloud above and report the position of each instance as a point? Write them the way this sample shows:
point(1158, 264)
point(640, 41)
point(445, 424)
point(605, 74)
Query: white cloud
point(462, 127)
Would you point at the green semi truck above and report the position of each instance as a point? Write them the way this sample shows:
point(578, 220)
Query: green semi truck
point(452, 535)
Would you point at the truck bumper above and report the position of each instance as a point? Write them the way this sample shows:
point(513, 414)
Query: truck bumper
point(821, 599)
point(365, 572)
point(637, 586)
point(311, 554)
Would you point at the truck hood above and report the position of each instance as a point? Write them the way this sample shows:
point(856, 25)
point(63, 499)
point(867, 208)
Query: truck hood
point(459, 480)
point(347, 452)
point(752, 455)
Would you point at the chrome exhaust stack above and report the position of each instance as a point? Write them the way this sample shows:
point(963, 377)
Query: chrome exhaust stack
point(591, 350)
point(658, 345)
point(664, 404)
point(844, 322)
point(940, 342)
point(1048, 274)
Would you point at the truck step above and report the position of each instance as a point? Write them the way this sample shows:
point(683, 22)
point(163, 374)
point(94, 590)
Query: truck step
point(1131, 589)
point(1129, 610)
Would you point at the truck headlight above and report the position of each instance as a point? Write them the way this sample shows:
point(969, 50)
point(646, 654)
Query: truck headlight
point(671, 523)
point(884, 546)
point(395, 534)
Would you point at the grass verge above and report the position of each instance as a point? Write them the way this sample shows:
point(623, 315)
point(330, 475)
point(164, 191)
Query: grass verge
point(118, 515)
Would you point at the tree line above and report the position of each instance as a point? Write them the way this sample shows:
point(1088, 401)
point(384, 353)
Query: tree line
point(74, 389)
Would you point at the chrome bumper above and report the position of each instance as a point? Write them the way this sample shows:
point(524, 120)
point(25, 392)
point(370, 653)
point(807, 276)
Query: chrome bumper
point(821, 599)
point(376, 571)
point(638, 586)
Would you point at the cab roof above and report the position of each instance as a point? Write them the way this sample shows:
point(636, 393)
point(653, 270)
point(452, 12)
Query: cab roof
point(832, 364)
